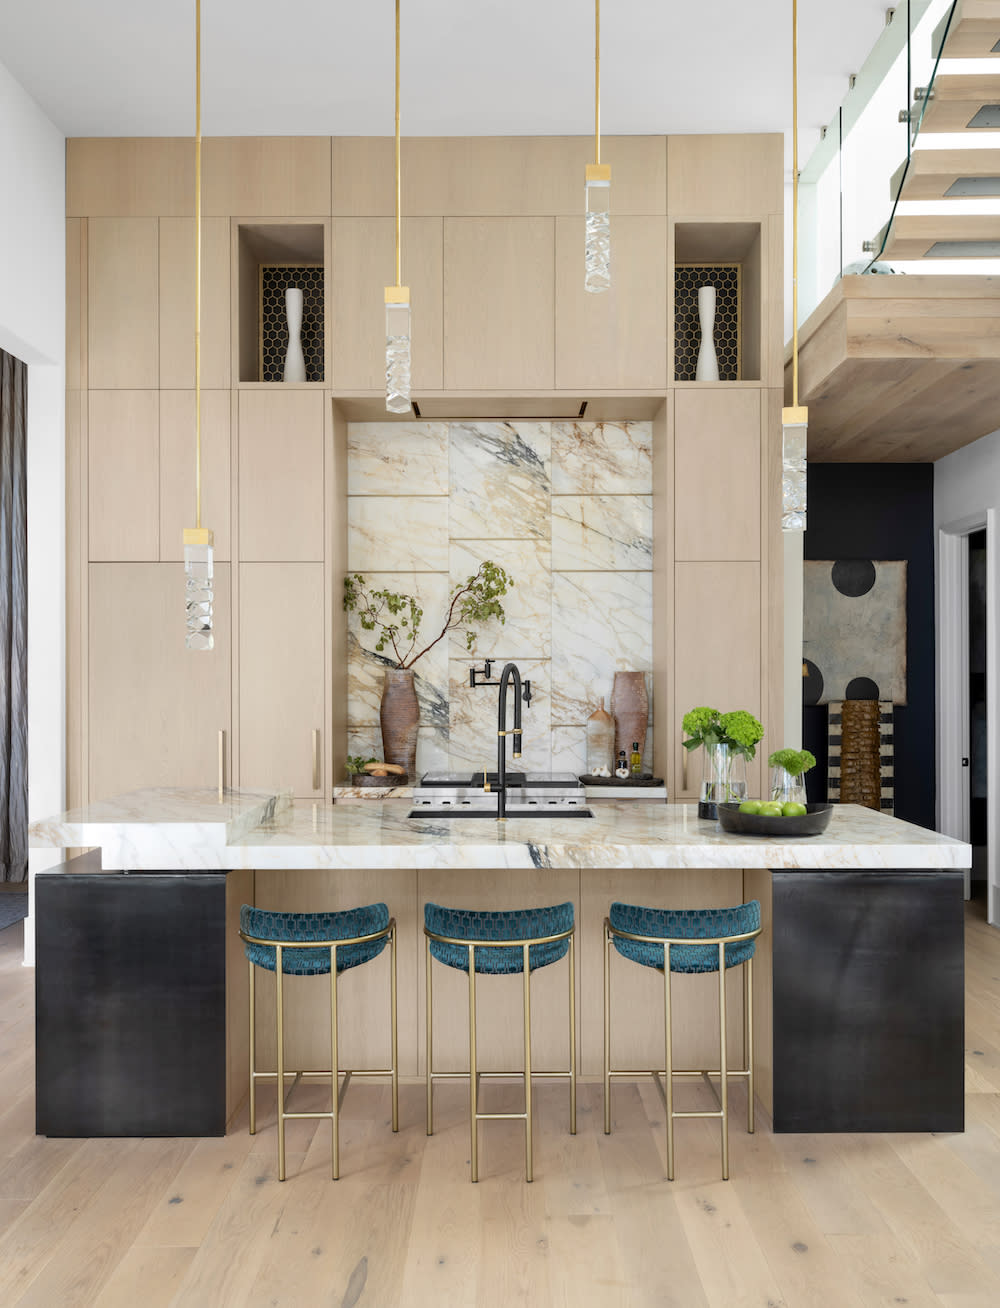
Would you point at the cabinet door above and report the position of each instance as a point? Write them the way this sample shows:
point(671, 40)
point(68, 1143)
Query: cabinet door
point(123, 475)
point(499, 303)
point(177, 303)
point(617, 340)
point(281, 475)
point(156, 708)
point(717, 463)
point(283, 677)
point(177, 469)
point(122, 303)
point(717, 643)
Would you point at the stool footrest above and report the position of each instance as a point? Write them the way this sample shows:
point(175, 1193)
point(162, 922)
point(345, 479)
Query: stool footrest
point(501, 1117)
point(482, 1076)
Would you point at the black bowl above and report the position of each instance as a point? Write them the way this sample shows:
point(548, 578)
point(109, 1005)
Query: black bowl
point(815, 821)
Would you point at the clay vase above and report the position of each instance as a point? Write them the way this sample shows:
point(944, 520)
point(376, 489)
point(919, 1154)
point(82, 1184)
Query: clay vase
point(630, 707)
point(399, 715)
point(600, 740)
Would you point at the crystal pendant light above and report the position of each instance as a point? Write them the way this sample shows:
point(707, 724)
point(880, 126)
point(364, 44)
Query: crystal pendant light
point(397, 300)
point(794, 420)
point(198, 540)
point(597, 191)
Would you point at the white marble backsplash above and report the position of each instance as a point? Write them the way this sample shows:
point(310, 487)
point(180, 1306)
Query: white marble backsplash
point(566, 508)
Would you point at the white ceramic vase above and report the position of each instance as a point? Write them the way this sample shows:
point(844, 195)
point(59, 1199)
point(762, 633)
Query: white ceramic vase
point(708, 365)
point(295, 364)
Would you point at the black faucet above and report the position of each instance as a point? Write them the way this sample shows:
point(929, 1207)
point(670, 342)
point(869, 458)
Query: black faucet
point(510, 671)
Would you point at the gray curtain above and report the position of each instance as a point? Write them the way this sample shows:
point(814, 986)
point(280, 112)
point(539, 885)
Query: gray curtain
point(13, 619)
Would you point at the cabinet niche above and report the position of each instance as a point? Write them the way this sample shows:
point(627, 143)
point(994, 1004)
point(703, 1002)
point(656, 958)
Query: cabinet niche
point(726, 256)
point(272, 258)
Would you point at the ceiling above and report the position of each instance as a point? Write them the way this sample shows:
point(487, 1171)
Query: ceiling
point(470, 67)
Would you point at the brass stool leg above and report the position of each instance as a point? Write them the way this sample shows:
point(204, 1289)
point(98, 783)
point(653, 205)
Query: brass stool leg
point(334, 1068)
point(473, 1088)
point(528, 1140)
point(607, 1031)
point(748, 1038)
point(572, 1038)
point(429, 1016)
point(278, 972)
point(723, 1068)
point(253, 1051)
point(668, 1040)
point(395, 1030)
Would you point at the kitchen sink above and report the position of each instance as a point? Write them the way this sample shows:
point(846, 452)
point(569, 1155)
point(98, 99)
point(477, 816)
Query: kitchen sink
point(470, 811)
point(529, 795)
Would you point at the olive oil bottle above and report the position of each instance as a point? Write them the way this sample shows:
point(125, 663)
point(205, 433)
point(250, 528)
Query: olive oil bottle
point(635, 760)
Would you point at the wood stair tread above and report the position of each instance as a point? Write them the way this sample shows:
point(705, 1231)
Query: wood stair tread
point(932, 173)
point(958, 98)
point(974, 32)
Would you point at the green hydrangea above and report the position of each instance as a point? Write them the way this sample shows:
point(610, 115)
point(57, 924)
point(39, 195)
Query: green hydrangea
point(741, 731)
point(794, 761)
point(699, 721)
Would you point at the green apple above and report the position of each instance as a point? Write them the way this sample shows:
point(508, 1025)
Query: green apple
point(793, 809)
point(750, 806)
point(770, 810)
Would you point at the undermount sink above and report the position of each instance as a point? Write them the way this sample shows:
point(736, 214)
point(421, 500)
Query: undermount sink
point(476, 811)
point(529, 795)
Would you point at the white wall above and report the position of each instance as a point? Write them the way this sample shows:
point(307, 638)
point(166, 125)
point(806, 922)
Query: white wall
point(32, 326)
point(966, 491)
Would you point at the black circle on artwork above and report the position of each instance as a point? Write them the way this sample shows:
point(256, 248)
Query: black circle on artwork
point(853, 576)
point(862, 688)
point(812, 682)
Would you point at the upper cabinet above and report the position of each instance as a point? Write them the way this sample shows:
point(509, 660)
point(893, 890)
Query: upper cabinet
point(176, 303)
point(123, 304)
point(499, 305)
point(281, 475)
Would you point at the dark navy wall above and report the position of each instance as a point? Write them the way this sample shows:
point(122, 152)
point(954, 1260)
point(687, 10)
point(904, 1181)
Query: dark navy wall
point(884, 511)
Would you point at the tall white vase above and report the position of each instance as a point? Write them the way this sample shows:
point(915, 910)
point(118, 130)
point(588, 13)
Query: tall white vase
point(295, 364)
point(708, 364)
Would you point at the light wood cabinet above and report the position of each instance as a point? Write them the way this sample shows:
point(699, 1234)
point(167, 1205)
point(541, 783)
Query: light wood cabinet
point(266, 176)
point(283, 721)
point(499, 303)
point(725, 177)
point(123, 475)
point(155, 708)
point(281, 475)
point(362, 265)
point(177, 303)
point(177, 470)
point(122, 303)
point(717, 652)
point(616, 340)
point(717, 457)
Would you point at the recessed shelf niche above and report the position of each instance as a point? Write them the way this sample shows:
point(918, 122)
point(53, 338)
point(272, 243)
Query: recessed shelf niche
point(728, 257)
point(272, 257)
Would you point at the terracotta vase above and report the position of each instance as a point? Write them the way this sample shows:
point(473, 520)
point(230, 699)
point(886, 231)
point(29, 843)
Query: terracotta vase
point(400, 716)
point(630, 708)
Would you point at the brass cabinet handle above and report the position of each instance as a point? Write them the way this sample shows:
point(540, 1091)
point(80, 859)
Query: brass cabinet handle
point(316, 758)
point(222, 763)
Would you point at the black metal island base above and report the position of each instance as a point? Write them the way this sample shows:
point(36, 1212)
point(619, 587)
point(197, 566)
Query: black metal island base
point(859, 996)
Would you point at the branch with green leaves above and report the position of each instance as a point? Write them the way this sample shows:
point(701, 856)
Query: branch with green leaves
point(397, 618)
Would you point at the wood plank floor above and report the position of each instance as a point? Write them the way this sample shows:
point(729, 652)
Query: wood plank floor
point(837, 1221)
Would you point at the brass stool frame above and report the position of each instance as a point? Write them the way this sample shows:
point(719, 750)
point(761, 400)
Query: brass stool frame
point(335, 1071)
point(474, 1075)
point(723, 1071)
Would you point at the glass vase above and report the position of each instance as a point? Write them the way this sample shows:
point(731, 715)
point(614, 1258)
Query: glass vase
point(785, 788)
point(723, 779)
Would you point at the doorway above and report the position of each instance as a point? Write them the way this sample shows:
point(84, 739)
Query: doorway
point(977, 699)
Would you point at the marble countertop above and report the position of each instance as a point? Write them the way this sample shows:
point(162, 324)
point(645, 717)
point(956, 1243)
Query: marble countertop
point(193, 830)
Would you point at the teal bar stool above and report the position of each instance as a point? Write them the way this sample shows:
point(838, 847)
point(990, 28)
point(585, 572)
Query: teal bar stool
point(726, 938)
point(316, 944)
point(500, 942)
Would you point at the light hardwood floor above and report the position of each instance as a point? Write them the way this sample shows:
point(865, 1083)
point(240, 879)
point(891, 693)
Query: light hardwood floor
point(824, 1221)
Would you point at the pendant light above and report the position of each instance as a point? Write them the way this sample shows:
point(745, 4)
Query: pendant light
point(198, 540)
point(597, 191)
point(397, 301)
point(794, 420)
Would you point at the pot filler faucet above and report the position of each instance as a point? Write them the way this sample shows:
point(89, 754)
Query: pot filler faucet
point(510, 671)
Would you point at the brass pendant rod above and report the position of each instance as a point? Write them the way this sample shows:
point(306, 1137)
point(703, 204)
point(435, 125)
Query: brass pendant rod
point(197, 264)
point(795, 204)
point(398, 185)
point(597, 81)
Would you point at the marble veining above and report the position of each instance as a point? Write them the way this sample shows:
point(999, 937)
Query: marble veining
point(386, 458)
point(500, 480)
point(398, 533)
point(602, 458)
point(527, 629)
point(170, 831)
point(473, 739)
point(602, 532)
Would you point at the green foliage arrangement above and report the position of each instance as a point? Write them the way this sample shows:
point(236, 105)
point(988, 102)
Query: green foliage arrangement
point(355, 764)
point(397, 618)
point(794, 761)
point(739, 730)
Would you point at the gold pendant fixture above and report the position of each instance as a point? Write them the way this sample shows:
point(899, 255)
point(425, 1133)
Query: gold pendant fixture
point(794, 420)
point(198, 540)
point(597, 191)
point(397, 300)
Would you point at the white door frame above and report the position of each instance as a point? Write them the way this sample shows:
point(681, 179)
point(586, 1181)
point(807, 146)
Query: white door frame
point(952, 618)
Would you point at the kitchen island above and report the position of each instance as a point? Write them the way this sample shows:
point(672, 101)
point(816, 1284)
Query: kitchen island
point(142, 986)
